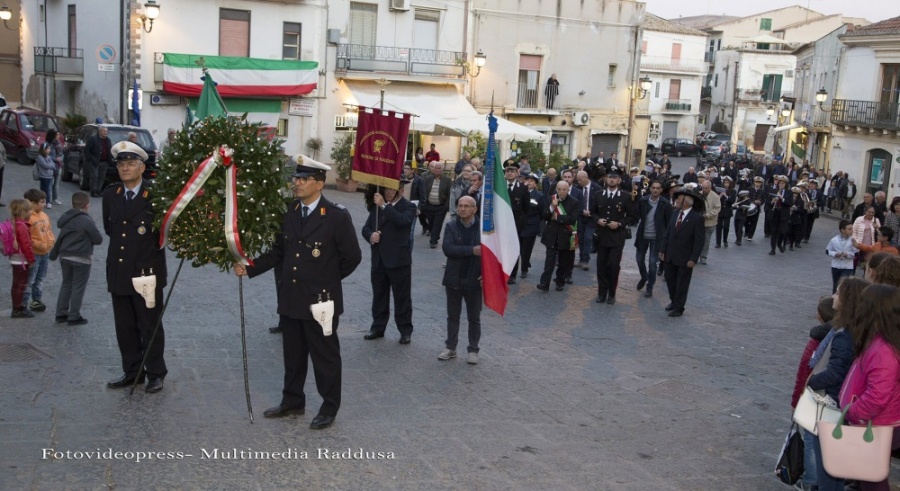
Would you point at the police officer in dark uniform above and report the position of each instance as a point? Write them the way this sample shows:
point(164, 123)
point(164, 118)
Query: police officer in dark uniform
point(317, 249)
point(538, 204)
point(612, 210)
point(519, 201)
point(133, 252)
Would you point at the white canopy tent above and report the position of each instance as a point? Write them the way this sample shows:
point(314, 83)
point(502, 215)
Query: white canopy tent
point(437, 110)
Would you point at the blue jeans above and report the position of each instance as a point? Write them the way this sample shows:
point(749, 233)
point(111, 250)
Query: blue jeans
point(648, 272)
point(826, 482)
point(836, 275)
point(47, 187)
point(810, 470)
point(36, 275)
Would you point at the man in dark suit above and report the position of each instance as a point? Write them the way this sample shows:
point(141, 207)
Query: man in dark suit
point(437, 200)
point(654, 213)
point(681, 247)
point(128, 221)
point(97, 154)
point(586, 224)
point(817, 197)
point(532, 222)
point(387, 230)
point(612, 210)
point(519, 201)
point(561, 216)
point(548, 183)
point(317, 249)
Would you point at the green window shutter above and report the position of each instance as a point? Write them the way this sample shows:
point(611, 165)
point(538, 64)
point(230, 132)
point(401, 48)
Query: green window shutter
point(765, 24)
point(776, 91)
point(767, 82)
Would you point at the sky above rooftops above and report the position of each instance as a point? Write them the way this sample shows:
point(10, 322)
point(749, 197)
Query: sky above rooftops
point(872, 10)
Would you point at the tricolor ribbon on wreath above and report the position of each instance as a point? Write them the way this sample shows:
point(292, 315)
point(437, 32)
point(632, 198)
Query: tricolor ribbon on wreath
point(221, 157)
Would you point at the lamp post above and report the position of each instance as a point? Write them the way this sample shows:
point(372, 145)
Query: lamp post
point(151, 13)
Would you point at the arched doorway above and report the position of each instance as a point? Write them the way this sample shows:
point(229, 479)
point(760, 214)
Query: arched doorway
point(878, 170)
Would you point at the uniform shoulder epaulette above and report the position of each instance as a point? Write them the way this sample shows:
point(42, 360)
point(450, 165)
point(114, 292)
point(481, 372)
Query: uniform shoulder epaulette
point(340, 206)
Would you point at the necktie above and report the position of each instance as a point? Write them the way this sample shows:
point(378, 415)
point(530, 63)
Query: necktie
point(680, 219)
point(129, 195)
point(305, 211)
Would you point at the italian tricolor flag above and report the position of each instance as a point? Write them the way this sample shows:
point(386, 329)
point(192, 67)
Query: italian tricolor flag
point(499, 237)
point(239, 76)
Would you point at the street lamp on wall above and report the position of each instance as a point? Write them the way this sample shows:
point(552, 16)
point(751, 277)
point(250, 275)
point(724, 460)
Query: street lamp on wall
point(770, 111)
point(821, 97)
point(480, 60)
point(151, 13)
point(646, 85)
point(6, 15)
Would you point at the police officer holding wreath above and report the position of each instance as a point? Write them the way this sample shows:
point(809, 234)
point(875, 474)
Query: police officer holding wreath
point(134, 253)
point(316, 250)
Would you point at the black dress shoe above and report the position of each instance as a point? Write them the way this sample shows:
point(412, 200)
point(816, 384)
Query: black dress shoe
point(154, 385)
point(511, 280)
point(772, 252)
point(676, 313)
point(123, 381)
point(781, 248)
point(648, 293)
point(797, 245)
point(61, 318)
point(542, 287)
point(611, 301)
point(641, 284)
point(601, 299)
point(405, 339)
point(275, 330)
point(569, 281)
point(524, 274)
point(321, 422)
point(77, 322)
point(670, 307)
point(560, 288)
point(373, 335)
point(281, 411)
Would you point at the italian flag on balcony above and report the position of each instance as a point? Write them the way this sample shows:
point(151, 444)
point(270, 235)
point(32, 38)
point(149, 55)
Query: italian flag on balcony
point(239, 76)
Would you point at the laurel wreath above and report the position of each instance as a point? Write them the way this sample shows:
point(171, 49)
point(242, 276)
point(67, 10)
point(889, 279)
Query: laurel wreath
point(262, 186)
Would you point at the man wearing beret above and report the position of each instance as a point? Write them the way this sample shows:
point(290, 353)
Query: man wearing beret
point(316, 250)
point(133, 252)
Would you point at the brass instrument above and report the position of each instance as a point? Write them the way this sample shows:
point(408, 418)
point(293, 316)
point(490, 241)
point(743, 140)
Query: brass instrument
point(808, 204)
point(739, 203)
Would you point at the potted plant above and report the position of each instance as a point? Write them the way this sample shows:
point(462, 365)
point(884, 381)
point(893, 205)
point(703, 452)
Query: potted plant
point(342, 156)
point(314, 145)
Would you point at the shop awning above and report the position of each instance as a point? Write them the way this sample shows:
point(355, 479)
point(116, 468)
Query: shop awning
point(238, 76)
point(438, 109)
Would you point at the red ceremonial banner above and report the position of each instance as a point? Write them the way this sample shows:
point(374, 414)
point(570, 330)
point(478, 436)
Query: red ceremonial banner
point(381, 138)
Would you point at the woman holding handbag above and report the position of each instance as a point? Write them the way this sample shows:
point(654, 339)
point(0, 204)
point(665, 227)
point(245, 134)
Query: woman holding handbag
point(830, 363)
point(873, 382)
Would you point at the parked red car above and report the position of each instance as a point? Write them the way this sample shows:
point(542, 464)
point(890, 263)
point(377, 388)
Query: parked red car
point(22, 131)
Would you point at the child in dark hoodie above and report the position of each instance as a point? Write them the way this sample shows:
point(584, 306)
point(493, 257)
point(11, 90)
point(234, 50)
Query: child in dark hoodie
point(78, 235)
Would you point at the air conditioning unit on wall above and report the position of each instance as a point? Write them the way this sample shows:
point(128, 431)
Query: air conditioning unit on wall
point(581, 118)
point(402, 5)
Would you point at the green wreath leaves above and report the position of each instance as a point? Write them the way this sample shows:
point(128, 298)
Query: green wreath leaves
point(262, 185)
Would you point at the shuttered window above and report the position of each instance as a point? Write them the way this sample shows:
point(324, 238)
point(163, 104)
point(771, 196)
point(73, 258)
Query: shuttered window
point(73, 32)
point(425, 28)
point(676, 53)
point(290, 49)
point(771, 89)
point(675, 89)
point(363, 17)
point(234, 32)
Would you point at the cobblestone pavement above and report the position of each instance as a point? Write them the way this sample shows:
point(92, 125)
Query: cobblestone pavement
point(569, 395)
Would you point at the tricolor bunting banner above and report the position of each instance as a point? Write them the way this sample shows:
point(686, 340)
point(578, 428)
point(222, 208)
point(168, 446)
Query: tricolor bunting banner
point(239, 76)
point(499, 238)
point(380, 147)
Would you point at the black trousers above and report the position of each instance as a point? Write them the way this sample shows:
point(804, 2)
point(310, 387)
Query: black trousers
point(515, 269)
point(751, 225)
point(678, 281)
point(435, 216)
point(303, 340)
point(525, 252)
point(722, 230)
point(384, 282)
point(767, 225)
point(566, 260)
point(609, 261)
point(134, 327)
point(810, 220)
point(473, 298)
point(739, 229)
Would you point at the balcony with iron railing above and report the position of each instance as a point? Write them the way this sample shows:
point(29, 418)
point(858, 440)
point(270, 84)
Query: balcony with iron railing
point(868, 114)
point(400, 61)
point(66, 64)
point(709, 57)
point(812, 116)
point(706, 92)
point(538, 99)
point(678, 105)
point(669, 64)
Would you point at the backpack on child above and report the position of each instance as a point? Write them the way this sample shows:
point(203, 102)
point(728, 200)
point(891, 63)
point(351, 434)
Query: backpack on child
point(8, 243)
